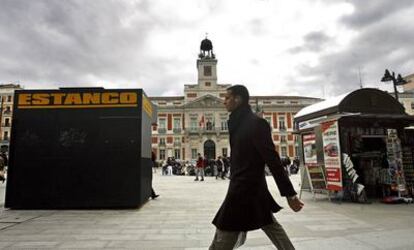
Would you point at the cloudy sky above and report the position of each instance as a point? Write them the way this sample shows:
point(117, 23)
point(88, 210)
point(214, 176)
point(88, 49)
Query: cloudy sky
point(297, 47)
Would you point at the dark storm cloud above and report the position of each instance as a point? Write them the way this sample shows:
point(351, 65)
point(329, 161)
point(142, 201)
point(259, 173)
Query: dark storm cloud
point(314, 42)
point(61, 43)
point(370, 12)
point(384, 40)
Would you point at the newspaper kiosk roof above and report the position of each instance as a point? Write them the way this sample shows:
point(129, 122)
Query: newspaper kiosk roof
point(361, 101)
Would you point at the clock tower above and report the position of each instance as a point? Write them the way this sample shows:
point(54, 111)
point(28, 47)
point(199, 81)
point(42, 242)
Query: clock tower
point(207, 66)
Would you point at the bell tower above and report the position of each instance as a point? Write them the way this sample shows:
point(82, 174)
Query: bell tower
point(207, 65)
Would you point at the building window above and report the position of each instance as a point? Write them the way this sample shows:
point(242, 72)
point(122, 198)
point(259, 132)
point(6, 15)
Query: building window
point(224, 152)
point(177, 125)
point(177, 153)
point(9, 98)
point(7, 122)
point(161, 123)
point(177, 141)
point(296, 150)
point(283, 151)
point(162, 126)
point(207, 70)
point(162, 141)
point(224, 125)
point(280, 102)
point(412, 105)
point(7, 110)
point(193, 124)
point(194, 153)
point(282, 125)
point(162, 154)
point(208, 84)
point(209, 124)
point(283, 138)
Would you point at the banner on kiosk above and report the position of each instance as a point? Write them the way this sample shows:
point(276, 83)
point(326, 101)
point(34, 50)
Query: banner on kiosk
point(332, 155)
point(309, 149)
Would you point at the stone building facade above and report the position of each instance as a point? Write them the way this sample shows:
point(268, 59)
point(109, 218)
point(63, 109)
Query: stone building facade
point(197, 122)
point(6, 112)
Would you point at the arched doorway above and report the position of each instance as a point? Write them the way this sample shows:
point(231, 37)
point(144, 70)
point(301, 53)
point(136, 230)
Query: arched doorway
point(210, 149)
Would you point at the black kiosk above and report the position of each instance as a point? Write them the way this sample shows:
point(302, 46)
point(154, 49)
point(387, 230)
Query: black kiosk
point(80, 148)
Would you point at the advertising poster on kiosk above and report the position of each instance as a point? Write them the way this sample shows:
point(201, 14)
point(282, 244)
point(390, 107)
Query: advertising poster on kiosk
point(309, 149)
point(332, 155)
point(314, 171)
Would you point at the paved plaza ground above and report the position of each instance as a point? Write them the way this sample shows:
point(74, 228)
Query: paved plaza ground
point(181, 219)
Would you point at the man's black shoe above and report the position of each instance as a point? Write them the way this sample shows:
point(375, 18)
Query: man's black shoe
point(195, 179)
point(154, 196)
point(202, 179)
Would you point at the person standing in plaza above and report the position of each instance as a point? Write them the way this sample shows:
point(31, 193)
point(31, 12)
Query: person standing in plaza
point(199, 168)
point(248, 204)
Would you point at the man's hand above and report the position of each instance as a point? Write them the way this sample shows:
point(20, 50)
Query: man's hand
point(294, 203)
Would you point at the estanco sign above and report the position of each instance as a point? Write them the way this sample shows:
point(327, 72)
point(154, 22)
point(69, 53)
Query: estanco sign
point(53, 100)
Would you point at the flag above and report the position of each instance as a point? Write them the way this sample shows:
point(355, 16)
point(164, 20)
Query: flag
point(201, 123)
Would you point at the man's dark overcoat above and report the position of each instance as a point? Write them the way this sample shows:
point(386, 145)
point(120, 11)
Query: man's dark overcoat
point(248, 204)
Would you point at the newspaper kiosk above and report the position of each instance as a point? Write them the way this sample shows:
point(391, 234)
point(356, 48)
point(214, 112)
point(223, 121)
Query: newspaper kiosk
point(360, 140)
point(80, 148)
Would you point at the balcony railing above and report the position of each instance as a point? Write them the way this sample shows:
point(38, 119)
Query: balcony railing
point(162, 131)
point(177, 130)
point(213, 130)
point(177, 144)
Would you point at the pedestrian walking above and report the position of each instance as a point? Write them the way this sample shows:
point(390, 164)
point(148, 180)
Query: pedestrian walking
point(2, 169)
point(248, 204)
point(226, 163)
point(220, 168)
point(199, 168)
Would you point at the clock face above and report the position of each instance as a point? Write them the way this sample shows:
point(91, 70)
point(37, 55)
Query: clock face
point(207, 70)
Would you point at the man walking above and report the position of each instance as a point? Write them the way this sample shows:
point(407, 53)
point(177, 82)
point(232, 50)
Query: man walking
point(220, 168)
point(200, 168)
point(248, 204)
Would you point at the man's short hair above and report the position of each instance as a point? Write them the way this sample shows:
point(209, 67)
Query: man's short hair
point(240, 90)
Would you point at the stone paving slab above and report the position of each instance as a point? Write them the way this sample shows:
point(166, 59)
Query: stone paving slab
point(181, 219)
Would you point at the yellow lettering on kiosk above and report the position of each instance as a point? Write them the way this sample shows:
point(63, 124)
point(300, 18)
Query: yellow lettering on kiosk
point(91, 98)
point(57, 98)
point(73, 99)
point(110, 98)
point(24, 99)
point(40, 99)
point(128, 97)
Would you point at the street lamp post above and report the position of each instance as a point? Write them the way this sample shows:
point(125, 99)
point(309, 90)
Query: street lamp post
point(395, 81)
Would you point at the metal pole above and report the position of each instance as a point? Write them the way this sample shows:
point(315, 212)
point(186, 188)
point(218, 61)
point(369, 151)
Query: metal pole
point(1, 116)
point(395, 88)
point(394, 82)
